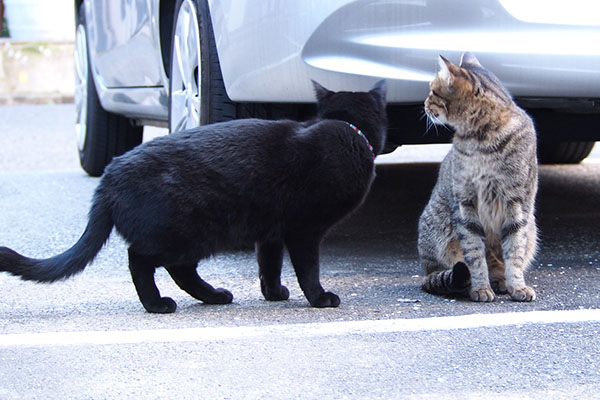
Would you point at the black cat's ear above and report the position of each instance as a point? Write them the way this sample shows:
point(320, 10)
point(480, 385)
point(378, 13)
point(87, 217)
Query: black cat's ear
point(379, 89)
point(469, 59)
point(448, 71)
point(320, 91)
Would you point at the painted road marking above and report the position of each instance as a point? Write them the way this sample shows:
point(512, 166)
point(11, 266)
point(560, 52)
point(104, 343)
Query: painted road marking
point(307, 330)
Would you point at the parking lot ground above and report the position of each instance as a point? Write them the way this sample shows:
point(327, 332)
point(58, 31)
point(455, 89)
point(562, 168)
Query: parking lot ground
point(89, 337)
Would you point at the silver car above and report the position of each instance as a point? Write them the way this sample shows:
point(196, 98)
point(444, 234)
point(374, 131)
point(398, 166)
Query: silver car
point(184, 63)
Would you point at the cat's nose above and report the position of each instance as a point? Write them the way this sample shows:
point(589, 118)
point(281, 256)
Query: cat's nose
point(428, 110)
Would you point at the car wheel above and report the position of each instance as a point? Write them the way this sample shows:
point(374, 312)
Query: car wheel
point(100, 135)
point(563, 152)
point(197, 92)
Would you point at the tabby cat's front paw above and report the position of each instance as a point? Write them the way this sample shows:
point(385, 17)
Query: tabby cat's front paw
point(275, 294)
point(524, 293)
point(165, 305)
point(483, 295)
point(327, 299)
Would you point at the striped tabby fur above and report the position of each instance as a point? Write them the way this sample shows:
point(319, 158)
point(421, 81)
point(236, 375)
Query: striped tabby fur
point(481, 211)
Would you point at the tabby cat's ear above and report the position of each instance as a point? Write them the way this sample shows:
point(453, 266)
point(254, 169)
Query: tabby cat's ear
point(379, 90)
point(448, 71)
point(469, 59)
point(320, 91)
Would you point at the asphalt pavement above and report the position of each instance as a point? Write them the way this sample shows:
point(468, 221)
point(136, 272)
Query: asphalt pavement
point(89, 337)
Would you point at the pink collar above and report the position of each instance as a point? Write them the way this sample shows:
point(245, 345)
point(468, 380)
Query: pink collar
point(362, 135)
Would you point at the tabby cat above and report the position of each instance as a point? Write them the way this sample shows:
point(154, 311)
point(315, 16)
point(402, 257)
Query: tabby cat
point(184, 197)
point(477, 234)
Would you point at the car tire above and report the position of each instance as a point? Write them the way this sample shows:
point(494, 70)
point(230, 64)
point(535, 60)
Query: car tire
point(101, 135)
point(197, 94)
point(563, 152)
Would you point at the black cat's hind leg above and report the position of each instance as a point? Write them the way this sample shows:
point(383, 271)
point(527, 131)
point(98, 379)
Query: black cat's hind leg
point(304, 253)
point(142, 270)
point(186, 277)
point(270, 260)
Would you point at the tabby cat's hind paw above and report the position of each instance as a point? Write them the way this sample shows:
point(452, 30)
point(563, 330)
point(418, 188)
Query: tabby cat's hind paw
point(164, 305)
point(483, 295)
point(499, 286)
point(327, 299)
point(524, 293)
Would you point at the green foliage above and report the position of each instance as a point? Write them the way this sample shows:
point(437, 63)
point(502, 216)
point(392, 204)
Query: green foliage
point(5, 32)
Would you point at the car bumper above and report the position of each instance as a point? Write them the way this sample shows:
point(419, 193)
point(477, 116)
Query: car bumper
point(270, 50)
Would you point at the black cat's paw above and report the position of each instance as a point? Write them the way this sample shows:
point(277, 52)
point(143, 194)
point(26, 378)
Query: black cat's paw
point(220, 296)
point(165, 305)
point(275, 294)
point(327, 299)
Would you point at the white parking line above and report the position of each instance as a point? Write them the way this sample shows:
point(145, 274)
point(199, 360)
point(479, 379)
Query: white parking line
point(298, 330)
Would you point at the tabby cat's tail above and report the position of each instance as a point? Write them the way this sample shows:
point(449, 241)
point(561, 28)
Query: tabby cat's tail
point(449, 281)
point(72, 261)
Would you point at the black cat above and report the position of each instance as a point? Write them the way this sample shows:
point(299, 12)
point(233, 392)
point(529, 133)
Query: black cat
point(186, 196)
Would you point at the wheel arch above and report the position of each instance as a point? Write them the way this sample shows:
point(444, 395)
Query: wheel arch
point(100, 89)
point(78, 4)
point(166, 20)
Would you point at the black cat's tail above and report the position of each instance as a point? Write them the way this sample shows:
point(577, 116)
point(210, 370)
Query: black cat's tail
point(449, 281)
point(72, 261)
